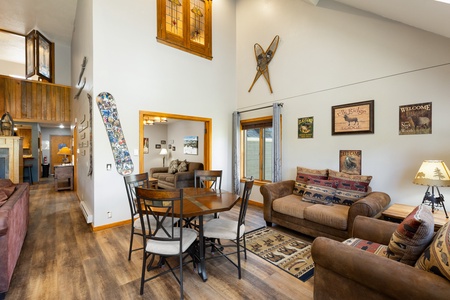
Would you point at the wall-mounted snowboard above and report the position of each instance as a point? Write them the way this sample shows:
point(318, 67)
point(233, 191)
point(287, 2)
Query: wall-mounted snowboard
point(108, 109)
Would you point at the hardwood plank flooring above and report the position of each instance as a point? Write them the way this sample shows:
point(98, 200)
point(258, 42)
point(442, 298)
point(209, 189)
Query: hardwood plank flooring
point(63, 259)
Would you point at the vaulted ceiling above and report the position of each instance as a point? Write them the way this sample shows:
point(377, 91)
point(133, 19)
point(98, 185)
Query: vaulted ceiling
point(55, 18)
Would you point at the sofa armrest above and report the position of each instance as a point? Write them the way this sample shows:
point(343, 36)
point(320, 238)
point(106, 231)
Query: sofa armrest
point(272, 191)
point(183, 176)
point(359, 274)
point(158, 170)
point(370, 206)
point(375, 230)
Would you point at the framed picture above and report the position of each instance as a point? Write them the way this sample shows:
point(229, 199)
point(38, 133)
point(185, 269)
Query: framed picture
point(157, 146)
point(305, 128)
point(30, 54)
point(163, 142)
point(173, 148)
point(145, 146)
point(415, 119)
point(353, 118)
point(190, 145)
point(350, 161)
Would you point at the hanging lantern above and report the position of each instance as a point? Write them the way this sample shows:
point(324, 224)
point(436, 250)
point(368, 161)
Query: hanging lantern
point(7, 125)
point(39, 56)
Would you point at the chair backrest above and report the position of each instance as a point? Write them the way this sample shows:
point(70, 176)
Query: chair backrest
point(208, 179)
point(164, 207)
point(248, 186)
point(131, 182)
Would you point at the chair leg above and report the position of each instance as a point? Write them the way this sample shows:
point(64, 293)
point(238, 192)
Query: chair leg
point(131, 243)
point(238, 258)
point(144, 258)
point(181, 277)
point(245, 247)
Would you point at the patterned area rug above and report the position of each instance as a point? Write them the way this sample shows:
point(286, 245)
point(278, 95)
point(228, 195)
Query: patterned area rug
point(284, 251)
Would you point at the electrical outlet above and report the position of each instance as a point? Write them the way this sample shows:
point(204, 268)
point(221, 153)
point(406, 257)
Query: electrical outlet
point(109, 215)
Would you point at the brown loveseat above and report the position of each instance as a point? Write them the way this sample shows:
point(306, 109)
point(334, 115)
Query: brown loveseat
point(283, 207)
point(176, 180)
point(14, 218)
point(346, 272)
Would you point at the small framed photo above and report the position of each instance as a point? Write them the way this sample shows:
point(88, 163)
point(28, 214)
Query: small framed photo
point(306, 128)
point(146, 145)
point(353, 118)
point(173, 148)
point(163, 142)
point(157, 146)
point(350, 161)
point(169, 146)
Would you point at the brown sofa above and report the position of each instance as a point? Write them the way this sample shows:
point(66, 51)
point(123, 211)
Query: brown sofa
point(284, 208)
point(14, 219)
point(350, 273)
point(177, 180)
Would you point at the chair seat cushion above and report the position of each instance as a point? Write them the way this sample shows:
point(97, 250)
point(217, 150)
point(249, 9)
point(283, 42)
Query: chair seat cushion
point(222, 229)
point(171, 247)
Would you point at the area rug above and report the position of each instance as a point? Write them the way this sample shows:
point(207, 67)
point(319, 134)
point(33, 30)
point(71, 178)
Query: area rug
point(289, 253)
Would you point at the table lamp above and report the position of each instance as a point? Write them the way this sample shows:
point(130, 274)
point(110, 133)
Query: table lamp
point(434, 174)
point(65, 151)
point(163, 153)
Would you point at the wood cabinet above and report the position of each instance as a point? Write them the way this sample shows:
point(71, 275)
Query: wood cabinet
point(64, 177)
point(26, 134)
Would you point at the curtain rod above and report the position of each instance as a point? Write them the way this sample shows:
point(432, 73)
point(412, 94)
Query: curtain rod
point(268, 106)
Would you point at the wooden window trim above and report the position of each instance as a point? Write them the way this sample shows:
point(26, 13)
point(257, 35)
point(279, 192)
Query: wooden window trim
point(184, 43)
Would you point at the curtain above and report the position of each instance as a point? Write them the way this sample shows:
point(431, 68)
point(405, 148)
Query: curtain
point(235, 160)
point(276, 144)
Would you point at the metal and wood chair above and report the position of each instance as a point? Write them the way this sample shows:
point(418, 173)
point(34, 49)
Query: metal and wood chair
point(208, 179)
point(157, 210)
point(221, 229)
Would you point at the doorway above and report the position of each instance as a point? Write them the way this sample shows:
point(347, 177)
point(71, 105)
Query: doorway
point(207, 147)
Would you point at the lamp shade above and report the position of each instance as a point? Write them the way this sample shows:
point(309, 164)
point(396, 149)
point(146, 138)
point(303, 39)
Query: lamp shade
point(163, 151)
point(64, 151)
point(433, 173)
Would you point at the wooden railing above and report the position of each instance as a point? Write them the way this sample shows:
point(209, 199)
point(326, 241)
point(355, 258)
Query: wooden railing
point(34, 101)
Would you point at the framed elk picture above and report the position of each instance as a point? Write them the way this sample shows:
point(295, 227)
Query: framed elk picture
point(415, 119)
point(353, 118)
point(350, 161)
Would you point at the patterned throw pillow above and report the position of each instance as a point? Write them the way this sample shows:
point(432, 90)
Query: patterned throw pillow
point(435, 258)
point(183, 166)
point(319, 191)
point(303, 174)
point(412, 236)
point(173, 166)
point(350, 188)
point(368, 246)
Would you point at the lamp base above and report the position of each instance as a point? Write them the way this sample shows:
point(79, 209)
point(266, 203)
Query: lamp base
point(434, 202)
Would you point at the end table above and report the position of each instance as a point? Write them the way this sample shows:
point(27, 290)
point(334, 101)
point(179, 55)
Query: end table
point(397, 212)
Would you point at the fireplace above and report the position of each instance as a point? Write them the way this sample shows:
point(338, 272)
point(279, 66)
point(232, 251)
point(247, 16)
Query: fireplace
point(11, 158)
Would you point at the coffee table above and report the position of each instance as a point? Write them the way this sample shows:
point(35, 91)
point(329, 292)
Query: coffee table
point(397, 212)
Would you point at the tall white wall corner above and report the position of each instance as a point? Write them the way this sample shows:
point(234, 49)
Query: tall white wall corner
point(86, 212)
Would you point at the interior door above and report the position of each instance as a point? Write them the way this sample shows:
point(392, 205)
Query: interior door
point(56, 143)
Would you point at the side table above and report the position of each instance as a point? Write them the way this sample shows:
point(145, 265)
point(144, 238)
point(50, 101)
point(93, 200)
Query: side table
point(397, 212)
point(153, 183)
point(64, 177)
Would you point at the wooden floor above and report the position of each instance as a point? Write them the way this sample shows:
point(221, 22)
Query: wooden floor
point(63, 259)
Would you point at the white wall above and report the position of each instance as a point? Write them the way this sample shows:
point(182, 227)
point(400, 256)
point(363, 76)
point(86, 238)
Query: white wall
point(143, 74)
point(155, 134)
point(330, 54)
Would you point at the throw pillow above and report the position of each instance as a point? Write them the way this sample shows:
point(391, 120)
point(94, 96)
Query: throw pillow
point(350, 188)
point(346, 196)
point(412, 236)
point(8, 190)
point(368, 246)
point(183, 166)
point(319, 191)
point(435, 258)
point(173, 166)
point(303, 175)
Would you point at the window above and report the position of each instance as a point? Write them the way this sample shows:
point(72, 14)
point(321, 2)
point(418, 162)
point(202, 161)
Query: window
point(186, 25)
point(257, 148)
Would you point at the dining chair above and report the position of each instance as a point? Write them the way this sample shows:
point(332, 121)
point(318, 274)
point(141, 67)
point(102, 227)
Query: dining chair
point(208, 179)
point(162, 237)
point(221, 229)
point(132, 181)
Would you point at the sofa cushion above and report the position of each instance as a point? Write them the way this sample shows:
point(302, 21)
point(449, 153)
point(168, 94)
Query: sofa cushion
point(290, 205)
point(346, 196)
point(412, 236)
point(435, 258)
point(350, 188)
point(183, 166)
point(334, 216)
point(5, 192)
point(173, 166)
point(303, 175)
point(368, 246)
point(319, 191)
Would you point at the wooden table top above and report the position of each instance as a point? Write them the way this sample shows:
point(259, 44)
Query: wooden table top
point(401, 211)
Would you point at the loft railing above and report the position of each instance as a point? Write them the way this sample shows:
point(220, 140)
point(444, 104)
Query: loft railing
point(34, 101)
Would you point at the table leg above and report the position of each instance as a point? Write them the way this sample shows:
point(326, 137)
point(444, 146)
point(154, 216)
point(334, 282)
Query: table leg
point(202, 266)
